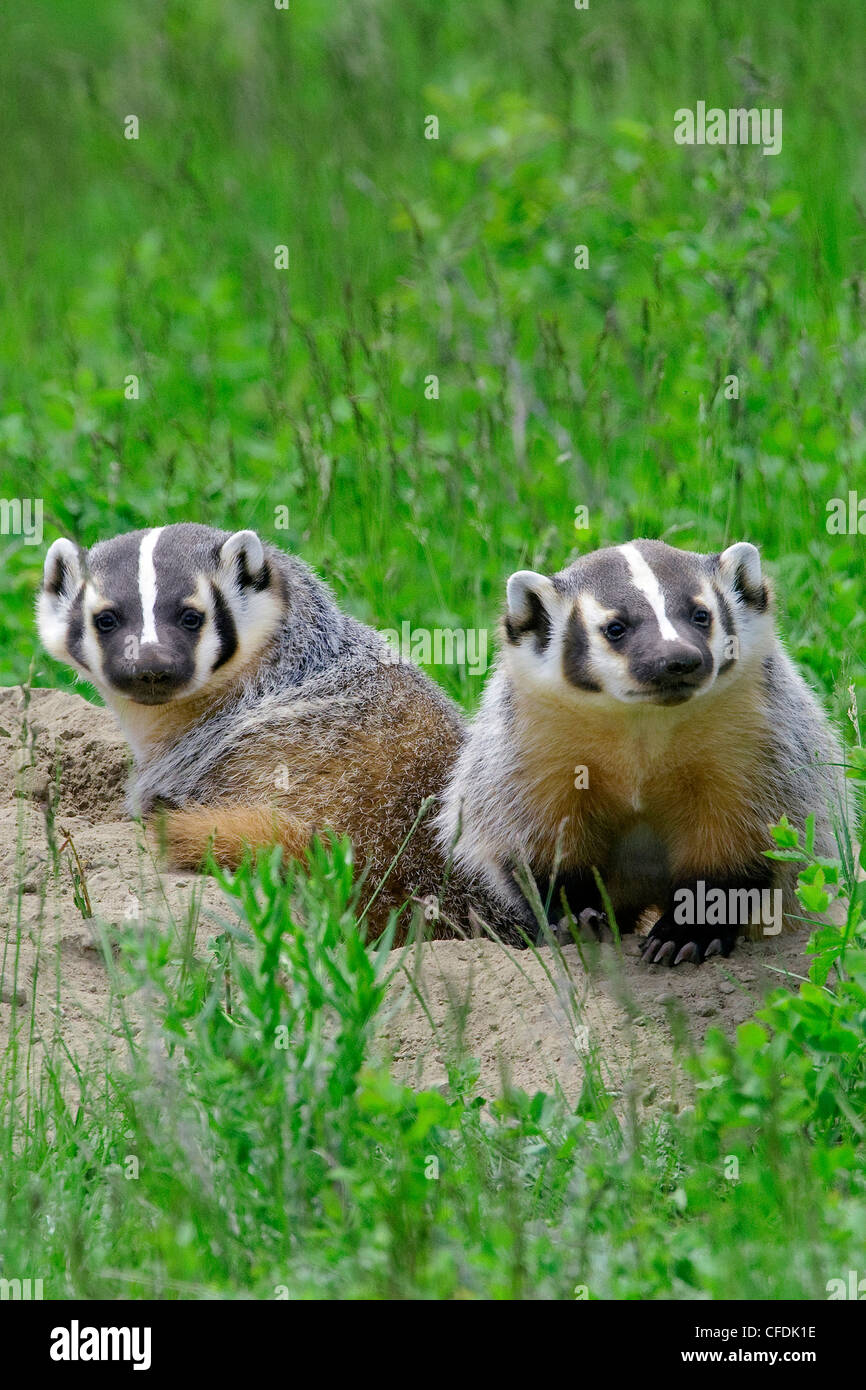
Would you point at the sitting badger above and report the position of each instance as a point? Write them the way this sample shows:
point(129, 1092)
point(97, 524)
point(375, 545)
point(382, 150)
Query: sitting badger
point(257, 712)
point(644, 720)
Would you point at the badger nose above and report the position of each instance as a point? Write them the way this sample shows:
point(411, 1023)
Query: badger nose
point(153, 676)
point(678, 663)
point(154, 665)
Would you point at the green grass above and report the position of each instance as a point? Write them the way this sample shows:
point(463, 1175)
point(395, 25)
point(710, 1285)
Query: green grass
point(250, 1144)
point(304, 390)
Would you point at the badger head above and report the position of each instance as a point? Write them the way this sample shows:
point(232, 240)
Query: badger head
point(641, 623)
point(158, 615)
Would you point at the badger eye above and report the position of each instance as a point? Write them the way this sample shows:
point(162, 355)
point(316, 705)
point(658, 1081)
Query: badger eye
point(615, 631)
point(191, 619)
point(106, 621)
point(701, 617)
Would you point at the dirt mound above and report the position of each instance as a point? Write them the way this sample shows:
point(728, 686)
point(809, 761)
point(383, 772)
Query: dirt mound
point(531, 1018)
point(63, 771)
point(48, 734)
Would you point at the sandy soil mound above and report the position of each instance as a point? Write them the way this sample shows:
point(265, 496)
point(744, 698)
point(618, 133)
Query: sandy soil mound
point(531, 1018)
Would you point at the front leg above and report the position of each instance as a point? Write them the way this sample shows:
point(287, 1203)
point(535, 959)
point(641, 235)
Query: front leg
point(575, 892)
point(572, 891)
point(705, 914)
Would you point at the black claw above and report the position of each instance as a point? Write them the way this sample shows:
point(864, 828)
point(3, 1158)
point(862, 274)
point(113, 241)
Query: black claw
point(590, 922)
point(593, 921)
point(670, 943)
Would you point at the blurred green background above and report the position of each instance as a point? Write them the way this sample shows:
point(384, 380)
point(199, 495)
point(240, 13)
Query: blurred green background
point(304, 388)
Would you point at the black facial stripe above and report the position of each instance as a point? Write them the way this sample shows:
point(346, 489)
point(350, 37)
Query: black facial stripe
point(725, 613)
point(226, 630)
point(728, 626)
point(538, 623)
point(575, 655)
point(75, 630)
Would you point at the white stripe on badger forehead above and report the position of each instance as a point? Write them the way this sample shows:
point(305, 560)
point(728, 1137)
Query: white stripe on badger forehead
point(646, 581)
point(147, 585)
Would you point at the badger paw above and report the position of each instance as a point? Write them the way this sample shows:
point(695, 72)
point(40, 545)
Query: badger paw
point(671, 944)
point(593, 923)
point(591, 926)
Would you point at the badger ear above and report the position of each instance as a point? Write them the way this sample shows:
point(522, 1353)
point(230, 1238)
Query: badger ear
point(63, 572)
point(243, 556)
point(531, 599)
point(740, 568)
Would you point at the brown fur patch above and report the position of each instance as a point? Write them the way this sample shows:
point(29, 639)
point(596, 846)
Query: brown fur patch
point(228, 832)
point(666, 768)
point(360, 771)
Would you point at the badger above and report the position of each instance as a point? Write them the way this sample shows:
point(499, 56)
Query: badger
point(644, 726)
point(258, 712)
